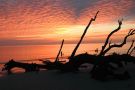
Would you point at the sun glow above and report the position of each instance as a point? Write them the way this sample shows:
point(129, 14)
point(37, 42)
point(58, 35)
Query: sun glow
point(63, 19)
point(70, 30)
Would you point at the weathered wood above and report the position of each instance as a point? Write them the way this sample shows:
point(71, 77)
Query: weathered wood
point(26, 66)
point(105, 49)
point(107, 40)
point(85, 31)
point(131, 32)
point(57, 58)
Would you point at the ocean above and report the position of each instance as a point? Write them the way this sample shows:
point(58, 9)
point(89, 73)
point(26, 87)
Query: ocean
point(32, 53)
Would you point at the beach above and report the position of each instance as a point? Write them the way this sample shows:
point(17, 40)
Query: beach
point(56, 80)
point(67, 45)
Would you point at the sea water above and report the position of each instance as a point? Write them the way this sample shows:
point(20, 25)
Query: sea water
point(32, 53)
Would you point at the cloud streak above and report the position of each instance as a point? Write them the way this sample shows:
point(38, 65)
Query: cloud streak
point(22, 19)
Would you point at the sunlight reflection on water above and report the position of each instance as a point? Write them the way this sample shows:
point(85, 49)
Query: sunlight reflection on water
point(33, 54)
point(49, 51)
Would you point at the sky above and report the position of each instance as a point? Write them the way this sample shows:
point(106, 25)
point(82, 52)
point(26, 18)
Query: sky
point(38, 22)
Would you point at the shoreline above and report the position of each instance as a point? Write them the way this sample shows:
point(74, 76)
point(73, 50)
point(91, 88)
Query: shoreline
point(54, 80)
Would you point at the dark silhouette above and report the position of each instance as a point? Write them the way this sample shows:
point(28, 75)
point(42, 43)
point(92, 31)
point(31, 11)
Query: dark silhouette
point(85, 31)
point(57, 58)
point(105, 67)
point(103, 51)
point(28, 67)
point(101, 62)
point(56, 64)
point(77, 61)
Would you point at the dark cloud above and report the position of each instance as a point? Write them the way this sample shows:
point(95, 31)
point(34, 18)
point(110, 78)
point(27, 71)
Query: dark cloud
point(78, 5)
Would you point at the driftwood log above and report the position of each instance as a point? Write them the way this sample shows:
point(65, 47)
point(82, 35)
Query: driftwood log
point(101, 62)
point(85, 31)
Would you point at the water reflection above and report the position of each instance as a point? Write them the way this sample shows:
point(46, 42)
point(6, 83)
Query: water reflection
point(36, 52)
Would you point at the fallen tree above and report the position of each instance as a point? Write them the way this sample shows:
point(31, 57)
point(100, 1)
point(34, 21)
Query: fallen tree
point(101, 62)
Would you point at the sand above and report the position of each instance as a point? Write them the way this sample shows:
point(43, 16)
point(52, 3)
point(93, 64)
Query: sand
point(55, 80)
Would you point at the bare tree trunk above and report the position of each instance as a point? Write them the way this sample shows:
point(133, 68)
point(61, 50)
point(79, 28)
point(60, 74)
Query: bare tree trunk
point(57, 58)
point(75, 49)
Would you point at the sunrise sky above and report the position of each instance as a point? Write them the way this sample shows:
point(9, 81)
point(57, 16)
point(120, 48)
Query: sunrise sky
point(32, 22)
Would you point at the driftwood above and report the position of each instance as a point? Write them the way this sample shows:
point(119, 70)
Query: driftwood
point(102, 70)
point(131, 32)
point(105, 49)
point(102, 63)
point(85, 31)
point(56, 64)
point(57, 58)
point(102, 53)
point(26, 66)
point(115, 58)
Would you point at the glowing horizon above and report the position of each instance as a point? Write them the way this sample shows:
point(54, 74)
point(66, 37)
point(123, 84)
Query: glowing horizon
point(24, 22)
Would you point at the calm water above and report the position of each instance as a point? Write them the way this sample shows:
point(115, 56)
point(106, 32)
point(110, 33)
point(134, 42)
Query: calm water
point(48, 51)
point(35, 52)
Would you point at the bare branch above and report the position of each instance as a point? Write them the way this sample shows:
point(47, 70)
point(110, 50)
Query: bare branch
point(59, 51)
point(75, 49)
point(130, 47)
point(107, 40)
point(131, 32)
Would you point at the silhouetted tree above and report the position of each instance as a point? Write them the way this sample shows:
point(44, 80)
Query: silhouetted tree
point(105, 49)
point(85, 31)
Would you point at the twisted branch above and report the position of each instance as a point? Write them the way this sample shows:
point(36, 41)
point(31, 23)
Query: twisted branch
point(131, 32)
point(107, 40)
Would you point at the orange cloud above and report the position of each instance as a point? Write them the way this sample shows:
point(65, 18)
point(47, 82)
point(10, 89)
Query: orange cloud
point(109, 10)
point(53, 20)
